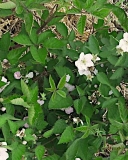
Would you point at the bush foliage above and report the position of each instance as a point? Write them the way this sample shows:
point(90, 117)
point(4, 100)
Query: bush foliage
point(56, 105)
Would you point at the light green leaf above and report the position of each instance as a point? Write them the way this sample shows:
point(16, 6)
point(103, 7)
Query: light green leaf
point(102, 13)
point(25, 90)
point(8, 5)
point(31, 114)
point(22, 39)
point(61, 93)
point(39, 152)
point(28, 17)
point(61, 82)
point(81, 24)
point(20, 101)
point(67, 135)
point(48, 133)
point(52, 83)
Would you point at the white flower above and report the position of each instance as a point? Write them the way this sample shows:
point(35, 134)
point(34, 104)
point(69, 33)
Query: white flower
point(84, 61)
point(67, 78)
point(123, 45)
point(3, 154)
point(77, 159)
point(41, 102)
point(4, 143)
point(95, 58)
point(95, 71)
point(17, 75)
point(90, 77)
point(3, 79)
point(68, 110)
point(69, 87)
point(3, 109)
point(125, 36)
point(110, 92)
point(24, 142)
point(84, 72)
point(29, 75)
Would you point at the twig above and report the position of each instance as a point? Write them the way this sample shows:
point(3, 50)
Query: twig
point(48, 19)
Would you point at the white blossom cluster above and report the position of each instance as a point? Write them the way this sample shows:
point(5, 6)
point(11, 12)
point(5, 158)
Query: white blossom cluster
point(123, 44)
point(85, 65)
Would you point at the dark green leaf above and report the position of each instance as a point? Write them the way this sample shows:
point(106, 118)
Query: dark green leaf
point(81, 24)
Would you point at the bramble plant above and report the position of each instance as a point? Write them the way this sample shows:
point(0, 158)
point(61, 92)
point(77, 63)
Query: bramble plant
point(62, 98)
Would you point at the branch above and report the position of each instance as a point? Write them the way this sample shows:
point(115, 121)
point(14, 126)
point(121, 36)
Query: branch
point(48, 19)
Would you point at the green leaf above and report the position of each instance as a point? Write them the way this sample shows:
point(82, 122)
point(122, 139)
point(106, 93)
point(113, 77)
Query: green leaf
point(31, 114)
point(67, 135)
point(104, 90)
point(5, 42)
point(102, 13)
point(22, 39)
point(61, 93)
point(20, 101)
point(15, 54)
point(18, 152)
point(6, 132)
point(28, 17)
point(79, 104)
point(45, 35)
point(53, 43)
point(25, 90)
point(72, 150)
point(109, 102)
point(117, 74)
point(62, 29)
point(81, 24)
point(93, 45)
point(38, 55)
point(71, 36)
point(88, 4)
point(122, 109)
point(52, 83)
point(57, 102)
point(61, 82)
point(59, 126)
point(48, 133)
point(115, 91)
point(121, 60)
point(52, 157)
point(5, 13)
point(8, 5)
point(13, 126)
point(102, 78)
point(39, 152)
point(116, 124)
